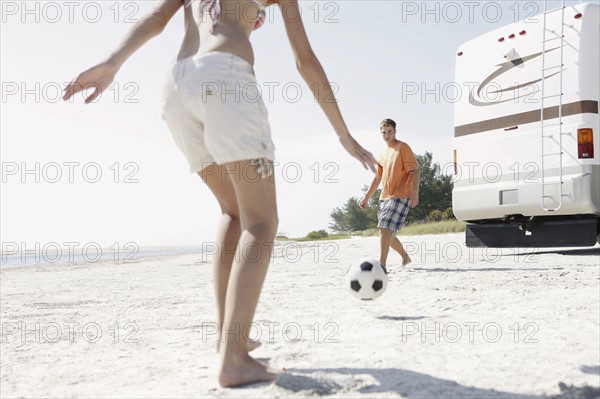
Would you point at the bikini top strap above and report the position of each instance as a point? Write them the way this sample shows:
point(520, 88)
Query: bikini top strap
point(212, 8)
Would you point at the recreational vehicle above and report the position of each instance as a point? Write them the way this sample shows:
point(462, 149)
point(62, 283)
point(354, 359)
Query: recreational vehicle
point(526, 132)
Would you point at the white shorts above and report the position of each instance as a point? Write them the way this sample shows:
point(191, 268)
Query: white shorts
point(214, 109)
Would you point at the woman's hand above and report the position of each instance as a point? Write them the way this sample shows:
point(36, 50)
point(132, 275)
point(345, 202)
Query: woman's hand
point(99, 77)
point(364, 157)
point(103, 74)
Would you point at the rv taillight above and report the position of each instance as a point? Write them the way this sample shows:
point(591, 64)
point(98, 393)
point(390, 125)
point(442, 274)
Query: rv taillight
point(512, 36)
point(578, 15)
point(460, 53)
point(585, 143)
point(455, 165)
point(522, 32)
point(501, 39)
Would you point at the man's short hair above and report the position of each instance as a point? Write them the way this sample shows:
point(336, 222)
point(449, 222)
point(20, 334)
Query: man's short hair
point(388, 122)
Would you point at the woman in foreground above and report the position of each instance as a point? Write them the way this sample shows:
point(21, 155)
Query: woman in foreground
point(213, 108)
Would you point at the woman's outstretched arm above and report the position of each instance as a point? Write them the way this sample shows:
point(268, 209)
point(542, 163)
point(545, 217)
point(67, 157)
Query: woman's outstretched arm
point(103, 74)
point(313, 74)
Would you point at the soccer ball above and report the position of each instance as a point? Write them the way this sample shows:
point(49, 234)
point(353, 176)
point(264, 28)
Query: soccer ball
point(366, 279)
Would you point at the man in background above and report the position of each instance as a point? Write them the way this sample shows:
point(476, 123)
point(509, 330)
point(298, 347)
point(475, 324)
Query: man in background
point(398, 172)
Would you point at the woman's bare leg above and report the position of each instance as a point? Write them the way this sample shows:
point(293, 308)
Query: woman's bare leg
point(258, 216)
point(228, 233)
point(227, 238)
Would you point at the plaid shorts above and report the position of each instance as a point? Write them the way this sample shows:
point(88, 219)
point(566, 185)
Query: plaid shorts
point(392, 213)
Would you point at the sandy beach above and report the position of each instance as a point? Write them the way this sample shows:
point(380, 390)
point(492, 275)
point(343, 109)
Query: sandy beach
point(455, 323)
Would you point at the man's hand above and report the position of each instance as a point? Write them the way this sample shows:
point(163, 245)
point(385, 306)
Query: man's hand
point(363, 202)
point(413, 200)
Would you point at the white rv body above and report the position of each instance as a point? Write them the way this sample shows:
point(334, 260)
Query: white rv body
point(510, 162)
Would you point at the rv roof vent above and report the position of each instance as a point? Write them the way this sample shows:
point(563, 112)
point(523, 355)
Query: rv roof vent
point(512, 36)
point(522, 32)
point(578, 15)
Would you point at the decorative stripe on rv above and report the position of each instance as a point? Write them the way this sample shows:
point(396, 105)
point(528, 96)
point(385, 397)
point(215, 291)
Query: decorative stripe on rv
point(576, 108)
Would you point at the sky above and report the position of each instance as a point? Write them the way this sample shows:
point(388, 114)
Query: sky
point(109, 173)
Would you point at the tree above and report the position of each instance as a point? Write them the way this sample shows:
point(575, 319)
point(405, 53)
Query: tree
point(350, 217)
point(435, 193)
point(435, 189)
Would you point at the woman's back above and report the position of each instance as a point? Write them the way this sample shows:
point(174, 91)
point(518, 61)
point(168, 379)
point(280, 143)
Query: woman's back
point(225, 25)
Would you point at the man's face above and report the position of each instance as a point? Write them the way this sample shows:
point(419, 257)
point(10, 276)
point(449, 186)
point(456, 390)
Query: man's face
point(388, 133)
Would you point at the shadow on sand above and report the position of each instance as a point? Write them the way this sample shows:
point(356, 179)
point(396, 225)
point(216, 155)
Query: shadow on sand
point(590, 369)
point(567, 252)
point(401, 318)
point(485, 269)
point(408, 384)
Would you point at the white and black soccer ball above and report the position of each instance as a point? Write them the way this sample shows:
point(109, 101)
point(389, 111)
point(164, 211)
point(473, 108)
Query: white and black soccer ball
point(366, 279)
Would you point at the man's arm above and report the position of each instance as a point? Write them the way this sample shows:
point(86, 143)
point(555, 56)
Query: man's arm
point(415, 174)
point(374, 184)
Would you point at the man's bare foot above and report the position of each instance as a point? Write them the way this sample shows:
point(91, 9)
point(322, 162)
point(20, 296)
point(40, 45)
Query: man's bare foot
point(245, 371)
point(406, 261)
point(251, 345)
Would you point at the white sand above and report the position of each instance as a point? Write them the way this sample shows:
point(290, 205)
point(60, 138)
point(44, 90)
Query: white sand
point(348, 348)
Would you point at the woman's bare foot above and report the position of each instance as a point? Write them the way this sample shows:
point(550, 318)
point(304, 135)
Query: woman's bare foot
point(251, 345)
point(406, 261)
point(245, 370)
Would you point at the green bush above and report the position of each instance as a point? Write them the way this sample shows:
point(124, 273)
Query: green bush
point(370, 233)
point(444, 227)
point(448, 214)
point(316, 235)
point(435, 215)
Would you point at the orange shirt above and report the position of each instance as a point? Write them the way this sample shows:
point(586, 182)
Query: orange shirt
point(395, 163)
